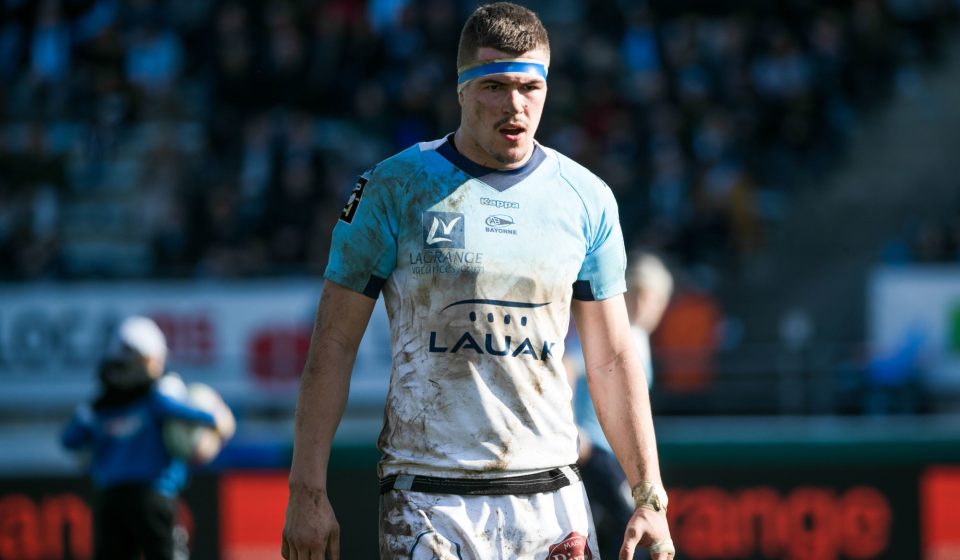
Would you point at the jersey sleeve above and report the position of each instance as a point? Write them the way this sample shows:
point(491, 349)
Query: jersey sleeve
point(363, 252)
point(602, 274)
point(170, 407)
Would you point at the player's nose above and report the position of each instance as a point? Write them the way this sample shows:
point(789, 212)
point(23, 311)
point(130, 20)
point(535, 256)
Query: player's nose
point(515, 102)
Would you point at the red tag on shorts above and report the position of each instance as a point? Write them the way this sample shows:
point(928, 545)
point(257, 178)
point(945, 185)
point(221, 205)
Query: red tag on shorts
point(572, 547)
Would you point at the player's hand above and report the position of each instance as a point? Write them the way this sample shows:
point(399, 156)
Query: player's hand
point(311, 531)
point(648, 529)
point(226, 423)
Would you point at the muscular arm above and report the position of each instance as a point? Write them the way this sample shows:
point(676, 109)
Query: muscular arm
point(311, 530)
point(618, 387)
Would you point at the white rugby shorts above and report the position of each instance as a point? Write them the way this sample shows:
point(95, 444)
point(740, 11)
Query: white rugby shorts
point(547, 526)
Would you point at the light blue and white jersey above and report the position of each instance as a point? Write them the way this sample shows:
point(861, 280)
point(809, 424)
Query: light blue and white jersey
point(478, 268)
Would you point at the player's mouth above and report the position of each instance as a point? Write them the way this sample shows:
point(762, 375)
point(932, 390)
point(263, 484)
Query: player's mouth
point(512, 132)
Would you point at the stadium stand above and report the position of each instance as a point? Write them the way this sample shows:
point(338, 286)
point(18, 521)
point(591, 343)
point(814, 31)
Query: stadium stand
point(217, 138)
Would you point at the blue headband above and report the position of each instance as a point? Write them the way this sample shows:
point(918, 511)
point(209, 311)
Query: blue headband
point(514, 66)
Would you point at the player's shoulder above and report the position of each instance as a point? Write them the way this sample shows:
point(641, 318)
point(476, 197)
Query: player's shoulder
point(586, 183)
point(389, 180)
point(399, 168)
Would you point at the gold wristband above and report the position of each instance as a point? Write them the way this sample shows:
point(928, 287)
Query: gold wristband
point(651, 496)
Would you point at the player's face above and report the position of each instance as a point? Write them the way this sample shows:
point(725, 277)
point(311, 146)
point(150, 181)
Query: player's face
point(500, 113)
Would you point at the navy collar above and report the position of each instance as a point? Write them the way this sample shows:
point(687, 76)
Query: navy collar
point(500, 179)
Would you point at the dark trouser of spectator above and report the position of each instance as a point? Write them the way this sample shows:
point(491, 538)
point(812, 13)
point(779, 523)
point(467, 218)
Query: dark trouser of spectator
point(135, 519)
point(608, 494)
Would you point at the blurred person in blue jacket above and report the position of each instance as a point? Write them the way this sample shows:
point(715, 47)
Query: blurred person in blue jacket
point(136, 477)
point(649, 287)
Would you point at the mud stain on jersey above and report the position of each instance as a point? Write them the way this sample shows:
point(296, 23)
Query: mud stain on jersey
point(537, 384)
point(405, 357)
point(432, 191)
point(503, 456)
point(409, 419)
point(455, 200)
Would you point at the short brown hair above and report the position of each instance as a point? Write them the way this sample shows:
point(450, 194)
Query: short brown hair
point(503, 26)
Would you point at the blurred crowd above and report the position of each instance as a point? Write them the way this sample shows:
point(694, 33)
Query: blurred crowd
point(208, 138)
point(928, 241)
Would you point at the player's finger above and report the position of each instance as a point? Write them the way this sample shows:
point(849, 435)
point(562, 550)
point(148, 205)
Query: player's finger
point(316, 552)
point(630, 541)
point(284, 548)
point(662, 550)
point(333, 545)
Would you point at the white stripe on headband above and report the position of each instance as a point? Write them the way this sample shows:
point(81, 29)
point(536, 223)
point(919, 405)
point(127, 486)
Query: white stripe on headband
point(501, 66)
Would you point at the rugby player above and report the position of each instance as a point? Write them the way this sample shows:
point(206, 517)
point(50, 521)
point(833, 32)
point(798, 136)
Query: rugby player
point(482, 243)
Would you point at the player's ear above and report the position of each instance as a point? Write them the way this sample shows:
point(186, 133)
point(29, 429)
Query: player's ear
point(460, 97)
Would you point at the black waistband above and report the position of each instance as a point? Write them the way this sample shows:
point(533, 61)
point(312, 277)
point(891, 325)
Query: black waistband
point(546, 481)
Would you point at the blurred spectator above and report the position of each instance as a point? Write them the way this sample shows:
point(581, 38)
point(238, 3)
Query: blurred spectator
point(931, 240)
point(686, 342)
point(153, 59)
point(50, 57)
point(124, 433)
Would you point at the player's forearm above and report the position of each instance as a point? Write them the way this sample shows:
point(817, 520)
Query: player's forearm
point(324, 387)
point(342, 317)
point(622, 401)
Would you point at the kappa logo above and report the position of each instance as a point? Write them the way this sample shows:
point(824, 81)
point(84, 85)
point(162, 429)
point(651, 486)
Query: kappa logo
point(443, 229)
point(573, 547)
point(499, 203)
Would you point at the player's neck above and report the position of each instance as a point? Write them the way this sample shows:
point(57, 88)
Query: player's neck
point(459, 141)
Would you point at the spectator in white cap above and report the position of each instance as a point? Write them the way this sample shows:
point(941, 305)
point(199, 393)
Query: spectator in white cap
point(136, 354)
point(136, 476)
